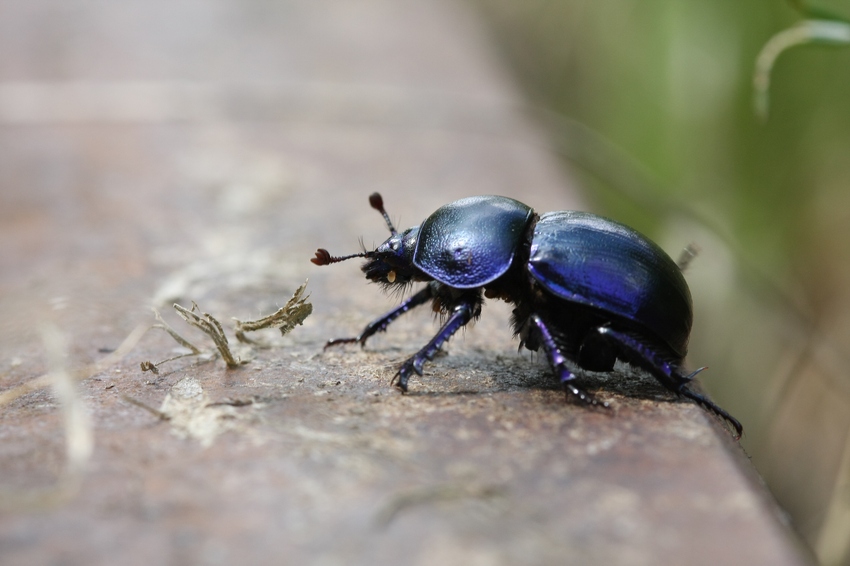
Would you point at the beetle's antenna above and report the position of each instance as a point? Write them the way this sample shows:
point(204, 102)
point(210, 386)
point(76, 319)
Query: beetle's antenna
point(377, 203)
point(323, 257)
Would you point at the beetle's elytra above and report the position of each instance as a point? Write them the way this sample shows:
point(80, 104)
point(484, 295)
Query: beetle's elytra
point(586, 289)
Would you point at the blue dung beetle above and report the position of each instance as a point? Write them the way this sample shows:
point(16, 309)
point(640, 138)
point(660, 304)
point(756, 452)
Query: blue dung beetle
point(586, 289)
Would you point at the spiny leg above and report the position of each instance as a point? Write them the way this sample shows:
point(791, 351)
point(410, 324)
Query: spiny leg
point(559, 363)
point(380, 324)
point(461, 315)
point(669, 374)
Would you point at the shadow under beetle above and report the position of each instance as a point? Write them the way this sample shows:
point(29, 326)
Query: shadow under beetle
point(586, 289)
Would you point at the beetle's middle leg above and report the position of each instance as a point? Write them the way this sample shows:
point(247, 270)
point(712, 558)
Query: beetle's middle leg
point(560, 364)
point(380, 324)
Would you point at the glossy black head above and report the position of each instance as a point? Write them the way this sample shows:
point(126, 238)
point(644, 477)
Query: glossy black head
point(392, 262)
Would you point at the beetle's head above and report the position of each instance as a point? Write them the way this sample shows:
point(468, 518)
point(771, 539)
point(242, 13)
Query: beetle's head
point(391, 263)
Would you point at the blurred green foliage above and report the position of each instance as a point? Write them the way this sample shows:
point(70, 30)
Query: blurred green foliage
point(652, 104)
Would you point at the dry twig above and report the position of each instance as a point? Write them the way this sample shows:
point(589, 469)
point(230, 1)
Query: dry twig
point(286, 318)
point(212, 328)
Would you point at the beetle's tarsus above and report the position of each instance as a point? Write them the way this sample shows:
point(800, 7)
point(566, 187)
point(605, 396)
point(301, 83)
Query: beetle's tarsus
point(574, 392)
point(561, 366)
point(714, 408)
point(669, 374)
point(338, 341)
point(694, 373)
point(400, 380)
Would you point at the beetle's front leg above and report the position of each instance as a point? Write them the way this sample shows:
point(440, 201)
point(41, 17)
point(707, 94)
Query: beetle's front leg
point(380, 324)
point(460, 316)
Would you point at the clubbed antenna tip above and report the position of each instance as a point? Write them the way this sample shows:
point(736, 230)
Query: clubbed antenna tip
point(377, 202)
point(323, 257)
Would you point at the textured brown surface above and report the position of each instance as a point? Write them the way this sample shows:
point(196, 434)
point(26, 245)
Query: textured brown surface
point(153, 152)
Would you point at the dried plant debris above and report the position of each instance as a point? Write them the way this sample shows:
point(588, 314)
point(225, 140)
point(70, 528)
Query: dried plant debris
point(293, 313)
point(285, 319)
point(156, 412)
point(212, 328)
point(207, 324)
point(177, 338)
point(186, 407)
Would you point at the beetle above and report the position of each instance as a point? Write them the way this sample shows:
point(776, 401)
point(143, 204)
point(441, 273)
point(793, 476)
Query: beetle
point(587, 290)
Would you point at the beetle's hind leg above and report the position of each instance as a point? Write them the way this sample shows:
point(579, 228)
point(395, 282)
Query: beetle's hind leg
point(667, 373)
point(560, 365)
point(380, 324)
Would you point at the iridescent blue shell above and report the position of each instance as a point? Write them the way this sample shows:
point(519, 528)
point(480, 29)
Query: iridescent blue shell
point(472, 241)
point(588, 259)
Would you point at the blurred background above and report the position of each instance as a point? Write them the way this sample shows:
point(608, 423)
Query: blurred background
point(651, 103)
